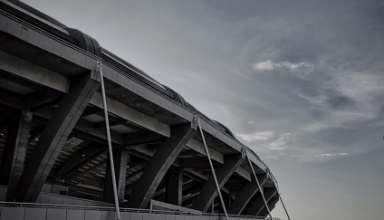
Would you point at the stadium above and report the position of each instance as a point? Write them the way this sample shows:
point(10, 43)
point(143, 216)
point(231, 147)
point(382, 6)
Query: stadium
point(169, 161)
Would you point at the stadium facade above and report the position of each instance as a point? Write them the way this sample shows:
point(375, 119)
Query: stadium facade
point(53, 144)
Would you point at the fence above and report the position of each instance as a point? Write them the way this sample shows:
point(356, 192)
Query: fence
point(35, 211)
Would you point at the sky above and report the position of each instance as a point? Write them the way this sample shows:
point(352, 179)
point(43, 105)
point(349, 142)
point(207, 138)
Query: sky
point(301, 82)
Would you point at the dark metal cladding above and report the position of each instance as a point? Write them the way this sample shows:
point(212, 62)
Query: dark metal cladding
point(85, 41)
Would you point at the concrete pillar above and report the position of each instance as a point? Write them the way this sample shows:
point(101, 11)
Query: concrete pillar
point(174, 187)
point(12, 164)
point(121, 159)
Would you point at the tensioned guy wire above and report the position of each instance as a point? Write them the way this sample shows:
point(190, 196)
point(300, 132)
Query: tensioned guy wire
point(281, 200)
point(282, 203)
point(112, 167)
point(259, 186)
point(212, 169)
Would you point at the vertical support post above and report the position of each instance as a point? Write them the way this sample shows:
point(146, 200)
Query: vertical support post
point(259, 186)
point(213, 170)
point(121, 160)
point(12, 165)
point(174, 187)
point(121, 181)
point(109, 140)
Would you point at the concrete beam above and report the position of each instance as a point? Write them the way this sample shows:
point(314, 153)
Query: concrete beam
point(245, 195)
point(223, 173)
point(155, 170)
point(174, 187)
point(55, 135)
point(12, 163)
point(244, 173)
point(32, 72)
point(197, 146)
point(133, 116)
point(121, 158)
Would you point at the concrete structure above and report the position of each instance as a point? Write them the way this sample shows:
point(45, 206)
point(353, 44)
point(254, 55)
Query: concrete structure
point(53, 140)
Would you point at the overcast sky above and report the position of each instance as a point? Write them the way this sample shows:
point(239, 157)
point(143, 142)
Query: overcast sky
point(299, 81)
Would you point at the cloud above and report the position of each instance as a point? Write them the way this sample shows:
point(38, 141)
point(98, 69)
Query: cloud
point(328, 156)
point(256, 136)
point(269, 65)
point(281, 143)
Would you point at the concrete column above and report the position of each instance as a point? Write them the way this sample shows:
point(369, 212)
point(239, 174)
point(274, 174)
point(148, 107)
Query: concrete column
point(121, 159)
point(12, 164)
point(55, 135)
point(174, 187)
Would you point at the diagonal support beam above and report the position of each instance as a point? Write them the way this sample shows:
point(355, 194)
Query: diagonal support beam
point(245, 195)
point(55, 135)
point(121, 159)
point(164, 157)
point(12, 164)
point(223, 173)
